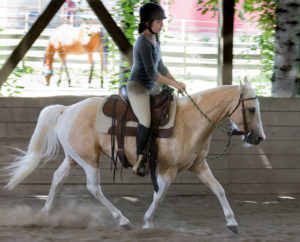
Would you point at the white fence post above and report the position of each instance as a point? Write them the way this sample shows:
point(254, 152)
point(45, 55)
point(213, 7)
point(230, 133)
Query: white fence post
point(26, 22)
point(72, 19)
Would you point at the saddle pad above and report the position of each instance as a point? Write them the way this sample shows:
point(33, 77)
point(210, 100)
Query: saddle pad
point(103, 122)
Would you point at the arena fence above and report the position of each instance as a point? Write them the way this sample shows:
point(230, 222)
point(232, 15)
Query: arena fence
point(273, 167)
point(186, 59)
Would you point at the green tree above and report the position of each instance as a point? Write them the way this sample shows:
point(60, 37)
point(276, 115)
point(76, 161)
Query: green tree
point(279, 21)
point(266, 22)
point(126, 11)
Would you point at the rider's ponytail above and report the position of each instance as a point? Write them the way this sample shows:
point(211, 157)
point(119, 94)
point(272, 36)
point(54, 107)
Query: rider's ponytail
point(142, 27)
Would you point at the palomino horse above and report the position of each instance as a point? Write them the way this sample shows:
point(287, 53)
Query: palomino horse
point(67, 39)
point(73, 127)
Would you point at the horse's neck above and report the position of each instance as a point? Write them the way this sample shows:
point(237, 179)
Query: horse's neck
point(215, 103)
point(219, 102)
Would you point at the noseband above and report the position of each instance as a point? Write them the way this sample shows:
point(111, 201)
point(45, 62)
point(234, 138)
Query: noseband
point(246, 128)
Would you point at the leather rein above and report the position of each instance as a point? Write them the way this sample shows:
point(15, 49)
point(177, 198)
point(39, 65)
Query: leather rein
point(230, 132)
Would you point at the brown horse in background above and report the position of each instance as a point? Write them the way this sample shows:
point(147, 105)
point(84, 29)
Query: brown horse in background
point(67, 39)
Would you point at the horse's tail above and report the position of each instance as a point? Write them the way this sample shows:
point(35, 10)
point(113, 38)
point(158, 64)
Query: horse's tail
point(43, 146)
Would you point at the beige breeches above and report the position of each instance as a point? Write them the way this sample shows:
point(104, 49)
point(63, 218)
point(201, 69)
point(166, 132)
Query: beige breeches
point(139, 98)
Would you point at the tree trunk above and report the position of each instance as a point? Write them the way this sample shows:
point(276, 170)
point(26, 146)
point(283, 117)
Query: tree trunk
point(287, 49)
point(225, 41)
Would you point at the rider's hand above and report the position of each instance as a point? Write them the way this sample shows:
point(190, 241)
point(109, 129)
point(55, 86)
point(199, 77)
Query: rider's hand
point(180, 86)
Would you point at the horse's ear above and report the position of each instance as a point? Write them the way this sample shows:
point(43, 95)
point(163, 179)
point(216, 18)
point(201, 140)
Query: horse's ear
point(242, 86)
point(246, 82)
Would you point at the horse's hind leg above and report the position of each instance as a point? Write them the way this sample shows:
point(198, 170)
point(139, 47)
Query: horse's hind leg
point(93, 185)
point(102, 65)
point(63, 58)
point(60, 73)
point(60, 174)
point(69, 79)
point(204, 173)
point(163, 184)
point(91, 62)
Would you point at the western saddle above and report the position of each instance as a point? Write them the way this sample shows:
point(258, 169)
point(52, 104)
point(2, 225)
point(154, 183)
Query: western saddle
point(119, 109)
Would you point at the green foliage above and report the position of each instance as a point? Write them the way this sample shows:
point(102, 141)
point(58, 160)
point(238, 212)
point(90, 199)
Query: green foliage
point(262, 85)
point(10, 87)
point(126, 13)
point(266, 22)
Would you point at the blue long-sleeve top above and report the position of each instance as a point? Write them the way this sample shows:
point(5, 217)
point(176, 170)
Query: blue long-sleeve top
point(147, 62)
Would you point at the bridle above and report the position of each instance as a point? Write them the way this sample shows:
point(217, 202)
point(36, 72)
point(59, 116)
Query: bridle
point(230, 132)
point(246, 132)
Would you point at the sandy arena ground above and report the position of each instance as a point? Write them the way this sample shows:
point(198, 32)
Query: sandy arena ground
point(185, 218)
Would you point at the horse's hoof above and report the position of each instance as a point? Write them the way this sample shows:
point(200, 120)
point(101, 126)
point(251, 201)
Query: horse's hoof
point(233, 228)
point(45, 212)
point(148, 226)
point(127, 226)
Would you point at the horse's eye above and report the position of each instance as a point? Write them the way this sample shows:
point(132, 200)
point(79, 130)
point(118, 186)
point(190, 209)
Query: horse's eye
point(252, 109)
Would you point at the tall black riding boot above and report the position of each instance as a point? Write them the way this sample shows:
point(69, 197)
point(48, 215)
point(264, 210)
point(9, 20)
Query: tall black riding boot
point(141, 141)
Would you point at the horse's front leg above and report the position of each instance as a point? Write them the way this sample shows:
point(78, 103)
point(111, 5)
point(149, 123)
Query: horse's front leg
point(204, 173)
point(163, 184)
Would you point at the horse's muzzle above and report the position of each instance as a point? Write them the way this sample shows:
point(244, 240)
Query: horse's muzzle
point(253, 138)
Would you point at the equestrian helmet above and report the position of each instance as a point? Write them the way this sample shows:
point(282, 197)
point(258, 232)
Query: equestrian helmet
point(151, 11)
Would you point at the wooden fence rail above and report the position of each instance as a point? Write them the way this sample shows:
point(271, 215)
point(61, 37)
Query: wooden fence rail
point(273, 167)
point(186, 59)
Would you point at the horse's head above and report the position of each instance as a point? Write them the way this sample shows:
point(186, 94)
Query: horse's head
point(47, 73)
point(246, 115)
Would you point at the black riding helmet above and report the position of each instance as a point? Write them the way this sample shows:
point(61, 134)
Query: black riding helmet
point(148, 13)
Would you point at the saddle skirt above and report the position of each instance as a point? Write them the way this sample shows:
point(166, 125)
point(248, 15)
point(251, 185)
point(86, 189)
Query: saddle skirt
point(107, 109)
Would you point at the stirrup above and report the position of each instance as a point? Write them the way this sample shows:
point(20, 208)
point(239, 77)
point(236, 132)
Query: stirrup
point(140, 168)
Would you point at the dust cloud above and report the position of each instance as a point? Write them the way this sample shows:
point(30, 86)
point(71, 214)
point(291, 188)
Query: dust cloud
point(186, 218)
point(69, 214)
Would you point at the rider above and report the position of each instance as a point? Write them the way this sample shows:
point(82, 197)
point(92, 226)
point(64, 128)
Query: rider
point(148, 71)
